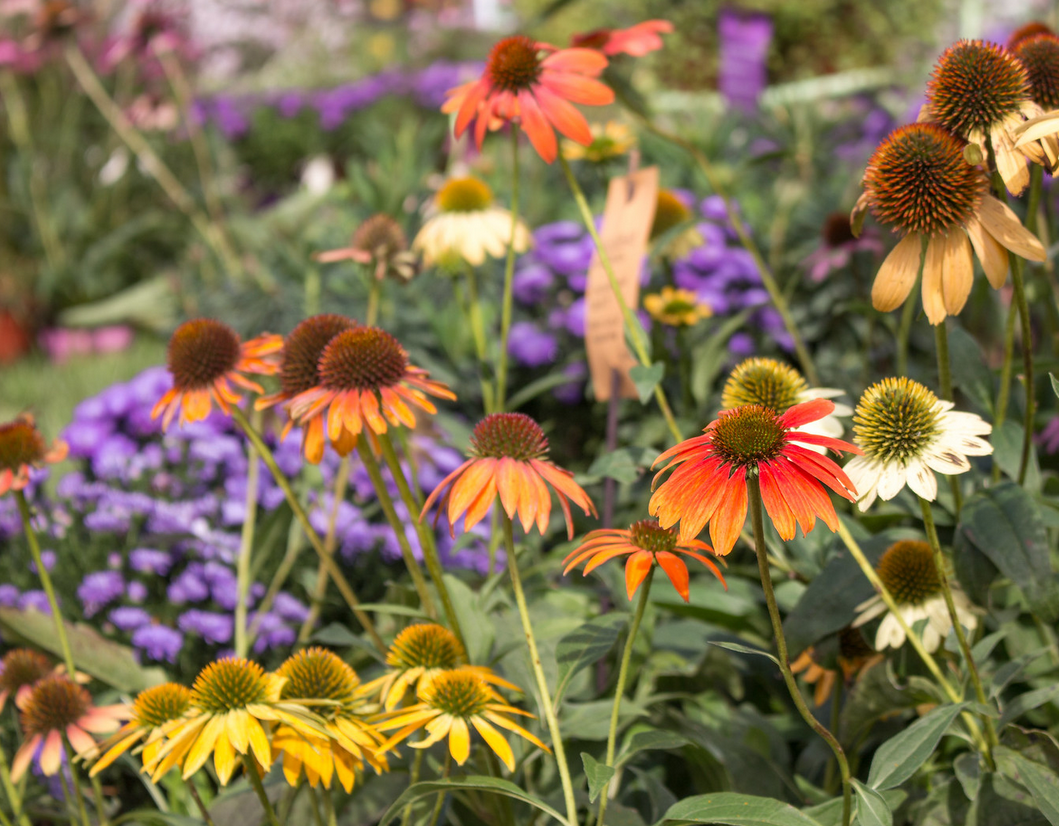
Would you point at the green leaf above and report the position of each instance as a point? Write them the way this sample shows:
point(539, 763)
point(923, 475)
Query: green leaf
point(153, 816)
point(872, 808)
point(478, 783)
point(1025, 702)
point(968, 769)
point(478, 630)
point(651, 740)
point(585, 646)
point(1042, 781)
point(107, 661)
point(830, 813)
point(899, 757)
point(598, 775)
point(970, 373)
point(734, 809)
point(1007, 452)
point(620, 465)
point(1055, 383)
point(1004, 523)
point(647, 378)
point(743, 649)
point(709, 359)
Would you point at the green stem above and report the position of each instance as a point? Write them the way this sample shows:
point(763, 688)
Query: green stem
point(314, 798)
point(426, 536)
point(779, 301)
point(758, 523)
point(314, 539)
point(78, 795)
point(941, 341)
point(1004, 392)
point(259, 789)
point(279, 579)
point(329, 806)
point(836, 719)
point(619, 689)
point(1027, 362)
point(246, 545)
point(509, 275)
point(46, 583)
point(538, 672)
point(413, 778)
point(441, 795)
point(14, 797)
point(330, 541)
point(961, 638)
point(386, 503)
point(189, 783)
point(97, 794)
point(374, 288)
point(632, 325)
point(474, 312)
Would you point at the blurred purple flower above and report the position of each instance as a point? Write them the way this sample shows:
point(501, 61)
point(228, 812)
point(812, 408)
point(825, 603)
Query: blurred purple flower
point(99, 588)
point(158, 642)
point(744, 46)
point(36, 600)
point(531, 346)
point(129, 618)
point(211, 626)
point(150, 561)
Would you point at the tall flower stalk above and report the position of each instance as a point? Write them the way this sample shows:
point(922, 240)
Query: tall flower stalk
point(509, 275)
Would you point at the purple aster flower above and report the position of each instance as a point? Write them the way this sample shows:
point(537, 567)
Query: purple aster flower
point(129, 618)
point(36, 601)
point(272, 632)
point(84, 436)
point(573, 391)
point(211, 626)
point(47, 557)
point(189, 586)
point(106, 521)
point(99, 588)
point(158, 642)
point(531, 346)
point(151, 561)
point(136, 591)
point(744, 46)
point(9, 595)
point(228, 118)
point(290, 607)
point(532, 283)
point(741, 345)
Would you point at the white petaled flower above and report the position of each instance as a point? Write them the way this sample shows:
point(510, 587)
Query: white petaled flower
point(465, 225)
point(907, 434)
point(779, 386)
point(908, 571)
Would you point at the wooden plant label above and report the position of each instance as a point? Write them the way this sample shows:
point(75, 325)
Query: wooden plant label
point(627, 220)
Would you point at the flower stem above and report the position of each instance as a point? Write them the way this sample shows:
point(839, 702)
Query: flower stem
point(246, 545)
point(279, 578)
point(97, 794)
point(14, 798)
point(509, 276)
point(941, 341)
point(330, 541)
point(619, 689)
point(779, 301)
point(632, 326)
point(758, 524)
point(434, 815)
point(46, 583)
point(77, 794)
point(314, 539)
point(961, 637)
point(413, 778)
point(190, 784)
point(1027, 362)
point(904, 329)
point(538, 672)
point(259, 789)
point(427, 540)
point(474, 312)
point(386, 503)
point(1004, 391)
point(371, 315)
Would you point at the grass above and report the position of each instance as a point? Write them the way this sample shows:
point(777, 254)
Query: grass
point(51, 391)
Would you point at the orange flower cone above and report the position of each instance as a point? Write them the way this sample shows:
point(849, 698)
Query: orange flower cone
point(538, 92)
point(22, 448)
point(508, 458)
point(708, 484)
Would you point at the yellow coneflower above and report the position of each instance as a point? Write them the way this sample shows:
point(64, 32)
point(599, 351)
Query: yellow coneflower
point(22, 448)
point(670, 213)
point(321, 680)
point(230, 699)
point(465, 224)
point(449, 705)
point(610, 140)
point(152, 710)
point(677, 308)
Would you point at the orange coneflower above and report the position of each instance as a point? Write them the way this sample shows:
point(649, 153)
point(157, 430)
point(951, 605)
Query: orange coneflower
point(646, 543)
point(636, 40)
point(509, 457)
point(206, 358)
point(58, 709)
point(919, 182)
point(365, 380)
point(22, 448)
point(709, 486)
point(519, 84)
point(299, 372)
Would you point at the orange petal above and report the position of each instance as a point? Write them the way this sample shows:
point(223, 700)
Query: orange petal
point(577, 89)
point(636, 571)
point(806, 412)
point(537, 128)
point(727, 521)
point(677, 572)
point(469, 485)
point(775, 505)
point(563, 115)
point(586, 61)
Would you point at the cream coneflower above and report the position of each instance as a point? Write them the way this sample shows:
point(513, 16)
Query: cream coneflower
point(206, 358)
point(676, 308)
point(449, 706)
point(321, 680)
point(908, 571)
point(981, 92)
point(22, 449)
point(778, 386)
point(381, 244)
point(230, 699)
point(20, 670)
point(610, 140)
point(365, 381)
point(299, 372)
point(919, 183)
point(907, 434)
point(509, 458)
point(466, 225)
point(152, 710)
point(671, 212)
point(54, 709)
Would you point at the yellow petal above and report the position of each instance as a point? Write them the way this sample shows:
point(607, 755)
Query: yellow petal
point(459, 740)
point(345, 768)
point(994, 257)
point(224, 759)
point(259, 742)
point(496, 742)
point(1037, 128)
point(933, 268)
point(292, 766)
point(236, 725)
point(1000, 222)
point(115, 752)
point(205, 743)
point(1010, 163)
point(897, 274)
point(957, 271)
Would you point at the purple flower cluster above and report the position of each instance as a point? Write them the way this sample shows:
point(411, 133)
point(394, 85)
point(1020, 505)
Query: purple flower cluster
point(427, 87)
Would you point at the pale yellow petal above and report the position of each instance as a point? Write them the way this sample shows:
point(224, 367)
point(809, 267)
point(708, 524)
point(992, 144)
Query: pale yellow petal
point(897, 274)
point(1037, 128)
point(957, 271)
point(933, 268)
point(1004, 225)
point(994, 257)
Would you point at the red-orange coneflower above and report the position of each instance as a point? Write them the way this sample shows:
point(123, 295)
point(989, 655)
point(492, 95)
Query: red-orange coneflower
point(1023, 33)
point(509, 457)
point(636, 40)
point(537, 91)
point(299, 372)
point(709, 486)
point(365, 380)
point(206, 357)
point(22, 448)
point(646, 543)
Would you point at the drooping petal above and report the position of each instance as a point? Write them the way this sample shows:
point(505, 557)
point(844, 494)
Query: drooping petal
point(993, 256)
point(728, 519)
point(677, 572)
point(775, 505)
point(636, 570)
point(897, 274)
point(1003, 224)
point(933, 270)
point(537, 128)
point(563, 115)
